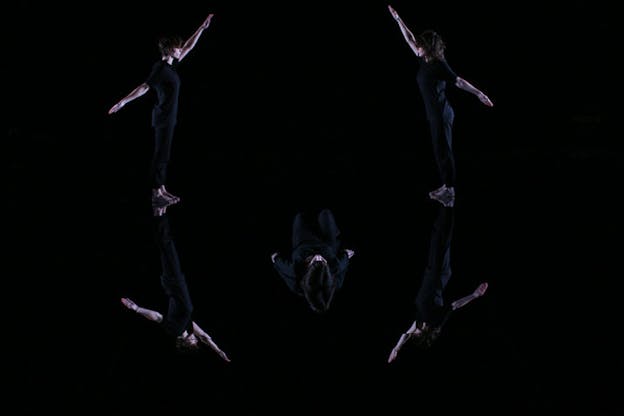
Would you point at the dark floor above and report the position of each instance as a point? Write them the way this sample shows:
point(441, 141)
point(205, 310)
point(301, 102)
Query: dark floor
point(277, 130)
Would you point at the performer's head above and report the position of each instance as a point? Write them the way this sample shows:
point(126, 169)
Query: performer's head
point(170, 46)
point(318, 284)
point(428, 335)
point(430, 46)
point(187, 342)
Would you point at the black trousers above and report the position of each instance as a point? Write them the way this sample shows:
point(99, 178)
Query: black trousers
point(180, 307)
point(321, 228)
point(441, 129)
point(429, 300)
point(163, 136)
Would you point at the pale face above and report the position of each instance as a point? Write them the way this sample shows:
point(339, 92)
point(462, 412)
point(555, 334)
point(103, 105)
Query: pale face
point(315, 258)
point(191, 340)
point(177, 52)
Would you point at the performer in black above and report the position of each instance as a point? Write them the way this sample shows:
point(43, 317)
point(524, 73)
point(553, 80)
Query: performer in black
point(431, 311)
point(317, 265)
point(165, 81)
point(433, 74)
point(177, 321)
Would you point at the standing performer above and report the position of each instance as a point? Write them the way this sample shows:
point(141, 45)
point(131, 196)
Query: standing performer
point(164, 80)
point(433, 74)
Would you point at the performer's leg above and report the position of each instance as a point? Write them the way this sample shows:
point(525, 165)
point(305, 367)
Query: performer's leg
point(302, 230)
point(163, 138)
point(328, 227)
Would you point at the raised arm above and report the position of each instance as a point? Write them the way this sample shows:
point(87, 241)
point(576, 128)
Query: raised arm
point(190, 43)
point(413, 331)
point(466, 86)
point(407, 34)
point(135, 93)
point(144, 312)
point(461, 302)
point(205, 338)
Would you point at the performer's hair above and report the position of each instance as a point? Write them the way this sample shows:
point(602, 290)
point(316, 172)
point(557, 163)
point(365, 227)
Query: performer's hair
point(166, 44)
point(183, 346)
point(432, 44)
point(318, 285)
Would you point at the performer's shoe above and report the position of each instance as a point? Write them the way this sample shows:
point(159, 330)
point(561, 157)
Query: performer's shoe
point(159, 199)
point(159, 211)
point(444, 195)
point(433, 194)
point(175, 199)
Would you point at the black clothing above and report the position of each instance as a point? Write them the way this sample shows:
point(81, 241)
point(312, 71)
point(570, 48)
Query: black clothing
point(432, 78)
point(163, 136)
point(166, 82)
point(312, 236)
point(429, 301)
point(179, 310)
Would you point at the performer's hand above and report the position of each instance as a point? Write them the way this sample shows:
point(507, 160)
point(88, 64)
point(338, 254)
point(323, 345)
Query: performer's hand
point(480, 290)
point(128, 303)
point(273, 256)
point(207, 21)
point(350, 253)
point(394, 13)
point(485, 100)
point(223, 355)
point(115, 108)
point(393, 354)
point(216, 348)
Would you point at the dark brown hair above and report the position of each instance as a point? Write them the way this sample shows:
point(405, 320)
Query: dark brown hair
point(432, 44)
point(318, 285)
point(166, 44)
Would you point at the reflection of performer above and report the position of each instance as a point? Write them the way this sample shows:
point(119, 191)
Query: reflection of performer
point(177, 321)
point(317, 265)
point(433, 75)
point(431, 312)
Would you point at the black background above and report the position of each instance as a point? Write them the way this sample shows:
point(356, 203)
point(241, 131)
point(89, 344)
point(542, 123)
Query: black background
point(287, 107)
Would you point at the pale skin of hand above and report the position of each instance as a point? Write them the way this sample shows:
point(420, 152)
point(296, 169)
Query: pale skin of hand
point(393, 12)
point(205, 338)
point(128, 303)
point(157, 317)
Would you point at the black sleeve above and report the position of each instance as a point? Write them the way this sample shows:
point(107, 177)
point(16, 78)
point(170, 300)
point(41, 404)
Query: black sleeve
point(286, 269)
point(446, 73)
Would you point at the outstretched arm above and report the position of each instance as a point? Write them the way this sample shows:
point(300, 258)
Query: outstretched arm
point(190, 43)
point(413, 331)
point(205, 338)
point(146, 313)
point(461, 302)
point(407, 34)
point(135, 93)
point(466, 86)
